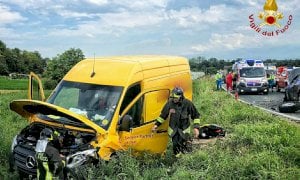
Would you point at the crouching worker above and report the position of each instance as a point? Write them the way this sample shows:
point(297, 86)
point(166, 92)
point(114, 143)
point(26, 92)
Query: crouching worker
point(50, 163)
point(180, 111)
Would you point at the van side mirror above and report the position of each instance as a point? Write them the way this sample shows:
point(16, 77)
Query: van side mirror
point(126, 123)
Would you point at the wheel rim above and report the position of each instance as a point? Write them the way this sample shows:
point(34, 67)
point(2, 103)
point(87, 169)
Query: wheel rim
point(288, 104)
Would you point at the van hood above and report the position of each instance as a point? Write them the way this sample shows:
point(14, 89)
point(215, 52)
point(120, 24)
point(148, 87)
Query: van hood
point(28, 108)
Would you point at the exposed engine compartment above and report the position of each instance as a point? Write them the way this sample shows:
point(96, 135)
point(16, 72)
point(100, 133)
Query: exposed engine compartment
point(68, 142)
point(71, 141)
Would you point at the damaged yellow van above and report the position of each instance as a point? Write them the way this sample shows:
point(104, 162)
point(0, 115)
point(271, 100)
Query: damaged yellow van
point(102, 105)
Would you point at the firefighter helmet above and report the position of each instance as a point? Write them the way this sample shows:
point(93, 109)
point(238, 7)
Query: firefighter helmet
point(177, 92)
point(46, 133)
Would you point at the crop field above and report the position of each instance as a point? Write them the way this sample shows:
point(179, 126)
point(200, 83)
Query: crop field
point(13, 84)
point(257, 145)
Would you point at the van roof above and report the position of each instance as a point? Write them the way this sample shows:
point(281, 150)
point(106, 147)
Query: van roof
point(119, 70)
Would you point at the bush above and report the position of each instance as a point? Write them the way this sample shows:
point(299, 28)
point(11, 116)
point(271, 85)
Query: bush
point(49, 84)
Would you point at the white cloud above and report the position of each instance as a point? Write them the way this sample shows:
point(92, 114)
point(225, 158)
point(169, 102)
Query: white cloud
point(72, 14)
point(32, 4)
point(144, 24)
point(189, 17)
point(97, 2)
point(112, 23)
point(255, 3)
point(127, 4)
point(142, 4)
point(7, 16)
point(290, 5)
point(223, 42)
point(132, 19)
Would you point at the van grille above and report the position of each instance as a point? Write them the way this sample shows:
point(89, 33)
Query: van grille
point(253, 84)
point(21, 156)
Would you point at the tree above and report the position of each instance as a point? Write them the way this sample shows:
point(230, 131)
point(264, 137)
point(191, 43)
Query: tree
point(3, 64)
point(33, 61)
point(61, 64)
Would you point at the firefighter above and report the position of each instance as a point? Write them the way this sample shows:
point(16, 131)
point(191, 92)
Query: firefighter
point(180, 111)
point(50, 163)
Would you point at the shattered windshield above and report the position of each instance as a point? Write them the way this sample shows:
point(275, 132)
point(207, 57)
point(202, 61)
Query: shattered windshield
point(252, 72)
point(96, 102)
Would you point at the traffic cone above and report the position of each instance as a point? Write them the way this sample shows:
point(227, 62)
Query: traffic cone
point(236, 95)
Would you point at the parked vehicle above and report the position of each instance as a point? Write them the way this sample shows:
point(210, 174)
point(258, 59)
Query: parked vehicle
point(251, 77)
point(88, 107)
point(291, 101)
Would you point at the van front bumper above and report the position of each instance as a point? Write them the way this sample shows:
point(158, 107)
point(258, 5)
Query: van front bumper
point(253, 89)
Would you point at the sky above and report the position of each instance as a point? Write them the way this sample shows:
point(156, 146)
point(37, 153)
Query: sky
point(190, 28)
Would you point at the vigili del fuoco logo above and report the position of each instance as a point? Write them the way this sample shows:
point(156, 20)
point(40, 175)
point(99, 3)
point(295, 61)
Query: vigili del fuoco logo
point(271, 20)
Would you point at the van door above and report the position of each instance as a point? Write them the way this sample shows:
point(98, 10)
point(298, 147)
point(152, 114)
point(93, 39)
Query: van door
point(35, 88)
point(144, 110)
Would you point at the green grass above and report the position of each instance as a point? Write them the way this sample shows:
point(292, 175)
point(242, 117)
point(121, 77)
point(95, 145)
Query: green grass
point(258, 145)
point(13, 84)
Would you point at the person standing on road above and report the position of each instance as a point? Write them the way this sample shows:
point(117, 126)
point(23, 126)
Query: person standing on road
point(271, 80)
point(180, 110)
point(229, 78)
point(218, 78)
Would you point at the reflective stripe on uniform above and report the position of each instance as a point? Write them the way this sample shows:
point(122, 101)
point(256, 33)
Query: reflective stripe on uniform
point(38, 173)
point(187, 130)
point(48, 173)
point(196, 121)
point(159, 119)
point(170, 131)
point(173, 95)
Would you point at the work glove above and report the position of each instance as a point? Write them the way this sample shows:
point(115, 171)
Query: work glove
point(154, 128)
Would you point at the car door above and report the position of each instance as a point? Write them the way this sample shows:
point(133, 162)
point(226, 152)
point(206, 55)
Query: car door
point(35, 88)
point(144, 110)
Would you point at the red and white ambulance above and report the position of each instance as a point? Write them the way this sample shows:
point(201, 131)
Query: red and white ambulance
point(251, 76)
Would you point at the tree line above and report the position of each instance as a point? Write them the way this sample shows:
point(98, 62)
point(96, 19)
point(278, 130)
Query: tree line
point(22, 62)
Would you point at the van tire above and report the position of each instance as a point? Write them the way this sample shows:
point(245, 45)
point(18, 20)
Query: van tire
point(287, 107)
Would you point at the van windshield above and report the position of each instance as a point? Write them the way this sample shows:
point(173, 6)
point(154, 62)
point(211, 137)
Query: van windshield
point(96, 102)
point(252, 72)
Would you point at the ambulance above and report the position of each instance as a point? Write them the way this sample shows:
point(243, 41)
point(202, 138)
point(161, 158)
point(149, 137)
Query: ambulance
point(251, 76)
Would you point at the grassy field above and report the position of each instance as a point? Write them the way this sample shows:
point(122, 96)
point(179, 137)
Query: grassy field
point(258, 145)
point(13, 84)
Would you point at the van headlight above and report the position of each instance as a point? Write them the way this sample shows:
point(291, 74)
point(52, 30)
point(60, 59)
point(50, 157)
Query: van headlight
point(80, 158)
point(264, 81)
point(242, 80)
point(14, 143)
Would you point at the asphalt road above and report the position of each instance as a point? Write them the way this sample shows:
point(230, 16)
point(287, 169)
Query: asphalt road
point(269, 102)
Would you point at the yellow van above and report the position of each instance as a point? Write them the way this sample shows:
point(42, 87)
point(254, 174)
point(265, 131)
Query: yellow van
point(102, 105)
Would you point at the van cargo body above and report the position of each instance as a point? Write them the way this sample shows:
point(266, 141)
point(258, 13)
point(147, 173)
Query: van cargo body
point(88, 107)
